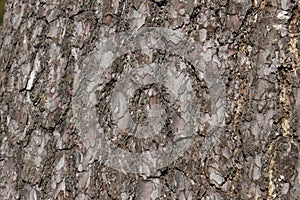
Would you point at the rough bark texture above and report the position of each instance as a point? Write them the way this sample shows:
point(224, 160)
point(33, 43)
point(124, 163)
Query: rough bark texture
point(252, 44)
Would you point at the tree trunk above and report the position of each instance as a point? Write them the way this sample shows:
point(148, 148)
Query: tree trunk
point(151, 99)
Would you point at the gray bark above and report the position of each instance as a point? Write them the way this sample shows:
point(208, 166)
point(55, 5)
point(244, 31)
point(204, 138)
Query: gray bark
point(226, 73)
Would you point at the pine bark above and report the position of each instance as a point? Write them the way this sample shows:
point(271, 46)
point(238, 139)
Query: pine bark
point(254, 46)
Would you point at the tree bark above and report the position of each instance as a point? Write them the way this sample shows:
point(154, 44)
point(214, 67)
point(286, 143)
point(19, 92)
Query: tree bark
point(63, 87)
